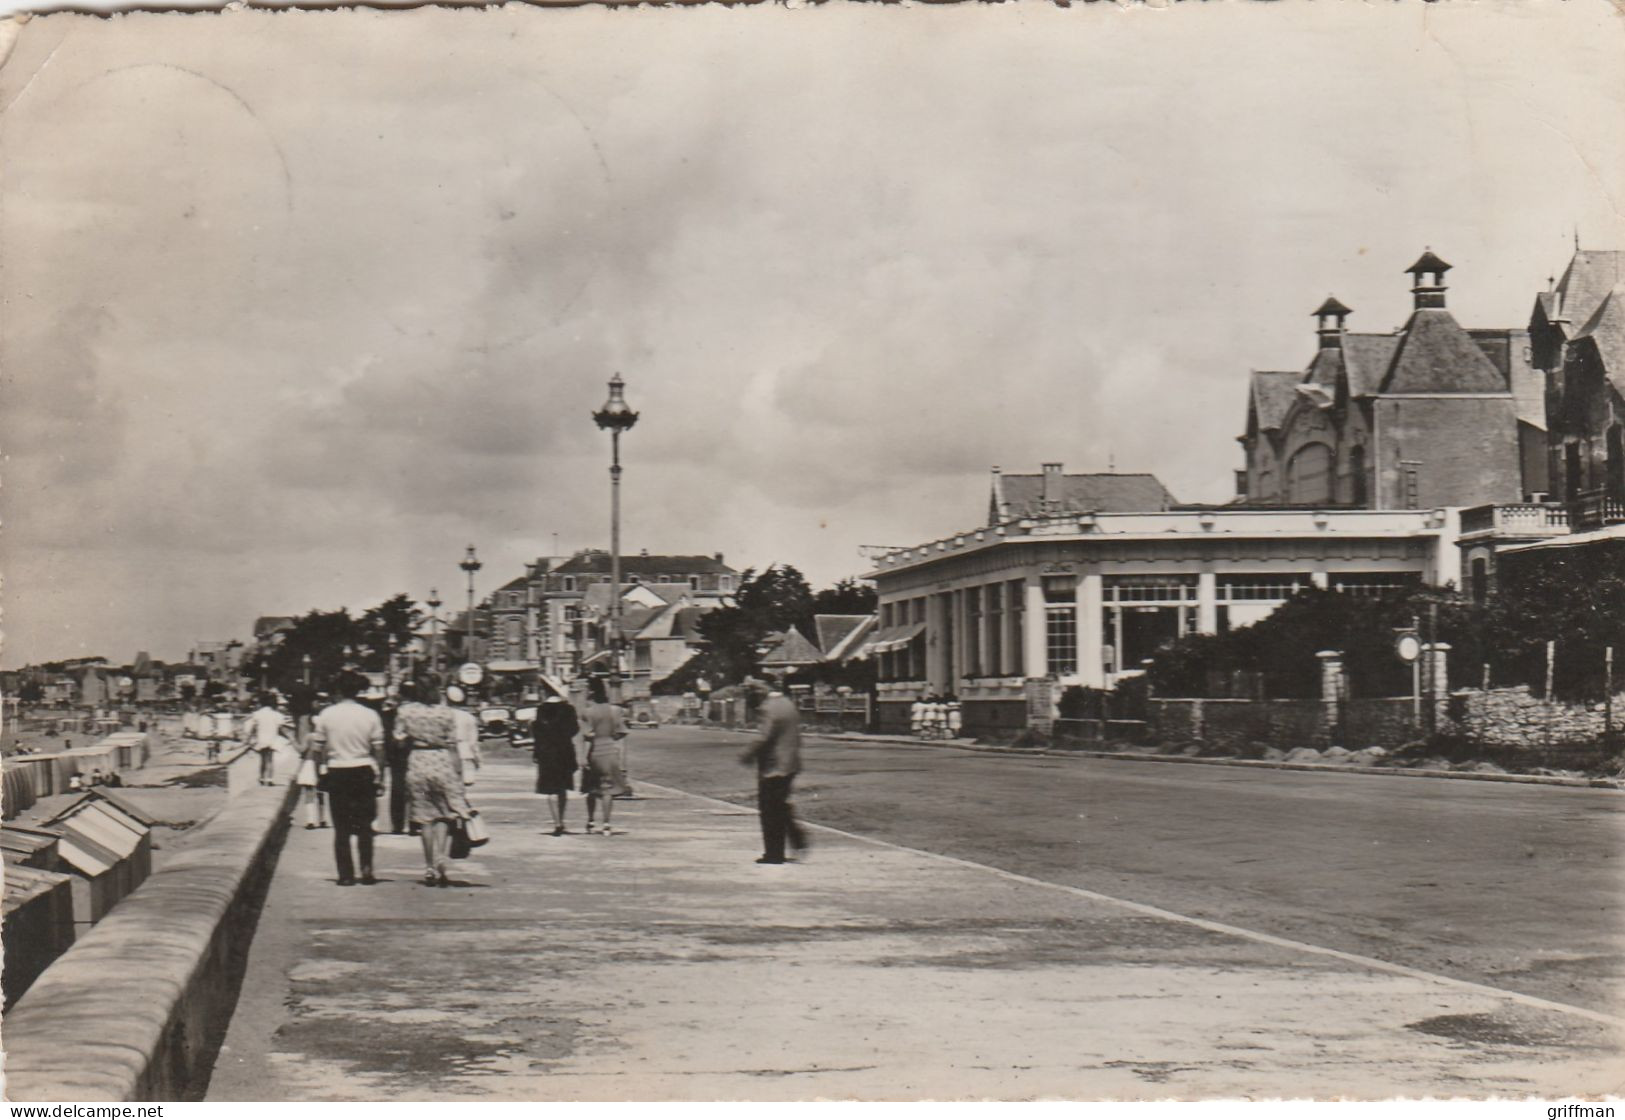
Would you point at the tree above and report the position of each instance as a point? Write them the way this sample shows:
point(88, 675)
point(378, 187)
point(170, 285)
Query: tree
point(848, 596)
point(396, 618)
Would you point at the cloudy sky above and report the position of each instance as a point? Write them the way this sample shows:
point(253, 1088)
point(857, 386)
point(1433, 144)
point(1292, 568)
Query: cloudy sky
point(297, 305)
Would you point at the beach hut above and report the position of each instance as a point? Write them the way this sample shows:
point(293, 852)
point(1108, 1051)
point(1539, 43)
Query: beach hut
point(37, 925)
point(107, 845)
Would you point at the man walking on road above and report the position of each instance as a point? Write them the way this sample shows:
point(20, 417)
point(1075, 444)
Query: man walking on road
point(777, 754)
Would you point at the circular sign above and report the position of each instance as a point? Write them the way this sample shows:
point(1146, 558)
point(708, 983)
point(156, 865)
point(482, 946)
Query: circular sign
point(1408, 646)
point(470, 673)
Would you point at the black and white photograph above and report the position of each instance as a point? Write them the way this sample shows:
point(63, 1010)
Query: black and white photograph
point(840, 552)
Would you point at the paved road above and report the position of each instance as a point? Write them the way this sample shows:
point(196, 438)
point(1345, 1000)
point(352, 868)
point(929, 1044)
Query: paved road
point(1510, 885)
point(663, 964)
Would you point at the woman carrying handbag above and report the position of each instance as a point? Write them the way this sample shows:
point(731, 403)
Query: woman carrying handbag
point(434, 778)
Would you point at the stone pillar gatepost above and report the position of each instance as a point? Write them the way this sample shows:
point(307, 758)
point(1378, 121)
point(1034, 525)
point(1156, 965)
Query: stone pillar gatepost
point(1035, 651)
point(1332, 689)
point(1436, 682)
point(1091, 664)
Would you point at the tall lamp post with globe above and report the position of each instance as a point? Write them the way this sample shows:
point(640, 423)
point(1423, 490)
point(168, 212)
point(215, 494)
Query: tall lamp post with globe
point(470, 564)
point(616, 417)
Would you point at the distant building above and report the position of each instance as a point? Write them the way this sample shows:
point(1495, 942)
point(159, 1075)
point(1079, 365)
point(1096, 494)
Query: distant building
point(1430, 415)
point(556, 616)
point(1053, 491)
point(1577, 335)
point(1577, 345)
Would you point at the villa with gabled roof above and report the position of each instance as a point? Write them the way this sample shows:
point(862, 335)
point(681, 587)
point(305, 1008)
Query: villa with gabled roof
point(1431, 415)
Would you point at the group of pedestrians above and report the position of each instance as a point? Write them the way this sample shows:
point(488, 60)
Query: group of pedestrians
point(936, 717)
point(776, 754)
point(602, 768)
point(426, 746)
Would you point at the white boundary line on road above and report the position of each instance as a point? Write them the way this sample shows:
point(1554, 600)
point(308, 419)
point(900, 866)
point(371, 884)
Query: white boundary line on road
point(1205, 923)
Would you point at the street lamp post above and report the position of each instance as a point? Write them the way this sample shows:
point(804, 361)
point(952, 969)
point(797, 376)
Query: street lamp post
point(470, 564)
point(616, 416)
point(305, 660)
point(434, 602)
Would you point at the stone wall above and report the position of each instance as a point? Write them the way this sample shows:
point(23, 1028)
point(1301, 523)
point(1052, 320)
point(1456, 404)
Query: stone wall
point(136, 1009)
point(1235, 723)
point(1377, 722)
point(1540, 731)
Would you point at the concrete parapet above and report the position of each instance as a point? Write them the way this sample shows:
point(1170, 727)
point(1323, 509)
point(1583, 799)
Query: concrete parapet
point(136, 1009)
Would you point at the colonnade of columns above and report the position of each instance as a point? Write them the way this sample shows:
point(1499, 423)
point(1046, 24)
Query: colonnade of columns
point(954, 632)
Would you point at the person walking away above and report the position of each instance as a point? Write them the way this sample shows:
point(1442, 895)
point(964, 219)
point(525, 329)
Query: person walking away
point(396, 755)
point(777, 755)
point(302, 707)
point(606, 727)
point(349, 738)
point(554, 749)
point(434, 778)
point(468, 732)
point(263, 733)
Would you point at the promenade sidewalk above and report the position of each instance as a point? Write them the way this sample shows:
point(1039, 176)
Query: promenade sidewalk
point(665, 964)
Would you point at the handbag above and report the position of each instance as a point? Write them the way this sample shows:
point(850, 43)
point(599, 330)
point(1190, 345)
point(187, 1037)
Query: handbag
point(460, 846)
point(476, 832)
point(307, 774)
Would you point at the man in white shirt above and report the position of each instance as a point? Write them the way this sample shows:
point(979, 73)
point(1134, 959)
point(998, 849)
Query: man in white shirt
point(263, 732)
point(350, 737)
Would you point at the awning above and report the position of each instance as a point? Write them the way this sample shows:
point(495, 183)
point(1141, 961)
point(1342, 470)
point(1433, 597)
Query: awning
point(892, 638)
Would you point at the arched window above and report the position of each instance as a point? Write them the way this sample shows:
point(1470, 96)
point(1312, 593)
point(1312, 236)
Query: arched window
point(1309, 475)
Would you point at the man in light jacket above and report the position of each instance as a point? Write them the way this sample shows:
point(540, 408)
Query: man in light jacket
point(777, 755)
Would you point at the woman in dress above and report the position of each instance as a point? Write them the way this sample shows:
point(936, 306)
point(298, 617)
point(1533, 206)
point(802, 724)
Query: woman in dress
point(554, 748)
point(434, 777)
point(601, 774)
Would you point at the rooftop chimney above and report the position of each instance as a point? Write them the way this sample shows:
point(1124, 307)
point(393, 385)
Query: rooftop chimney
point(1051, 494)
point(1430, 294)
point(719, 558)
point(1330, 316)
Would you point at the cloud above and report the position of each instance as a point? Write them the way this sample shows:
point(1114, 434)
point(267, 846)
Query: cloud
point(299, 304)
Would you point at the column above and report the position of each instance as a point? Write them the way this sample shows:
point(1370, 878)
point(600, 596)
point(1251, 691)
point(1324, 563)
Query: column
point(1013, 633)
point(936, 644)
point(956, 665)
point(1207, 603)
point(1091, 647)
point(984, 628)
point(1034, 653)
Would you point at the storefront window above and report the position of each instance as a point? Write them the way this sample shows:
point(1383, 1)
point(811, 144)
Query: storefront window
point(1142, 614)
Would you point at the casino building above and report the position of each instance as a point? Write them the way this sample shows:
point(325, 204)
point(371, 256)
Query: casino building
point(1357, 467)
point(1082, 597)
